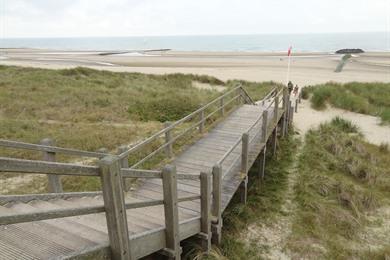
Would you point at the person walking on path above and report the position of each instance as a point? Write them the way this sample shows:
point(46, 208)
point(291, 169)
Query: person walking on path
point(296, 89)
point(290, 87)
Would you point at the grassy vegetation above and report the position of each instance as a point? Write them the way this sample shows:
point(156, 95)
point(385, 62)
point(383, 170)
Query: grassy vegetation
point(342, 181)
point(264, 201)
point(88, 109)
point(366, 98)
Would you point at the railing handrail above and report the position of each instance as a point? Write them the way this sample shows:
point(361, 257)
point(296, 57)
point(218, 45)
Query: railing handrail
point(15, 218)
point(46, 167)
point(176, 123)
point(47, 148)
point(238, 141)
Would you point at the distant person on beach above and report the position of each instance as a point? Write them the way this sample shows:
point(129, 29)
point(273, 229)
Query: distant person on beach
point(296, 89)
point(290, 87)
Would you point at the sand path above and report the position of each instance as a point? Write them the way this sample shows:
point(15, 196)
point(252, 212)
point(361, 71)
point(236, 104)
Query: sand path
point(370, 126)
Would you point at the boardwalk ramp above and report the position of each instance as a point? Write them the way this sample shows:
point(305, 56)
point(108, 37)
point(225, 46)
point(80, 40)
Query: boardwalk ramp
point(181, 200)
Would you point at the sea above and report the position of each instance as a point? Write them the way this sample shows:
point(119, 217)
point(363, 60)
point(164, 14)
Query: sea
point(314, 42)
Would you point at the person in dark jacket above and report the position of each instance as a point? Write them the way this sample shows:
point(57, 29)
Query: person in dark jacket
point(290, 87)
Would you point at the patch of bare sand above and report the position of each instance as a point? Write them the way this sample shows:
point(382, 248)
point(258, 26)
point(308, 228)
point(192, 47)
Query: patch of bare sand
point(370, 126)
point(376, 233)
point(206, 86)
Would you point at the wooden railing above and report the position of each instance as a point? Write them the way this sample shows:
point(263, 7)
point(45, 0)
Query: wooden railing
point(238, 94)
point(114, 205)
point(112, 174)
point(49, 151)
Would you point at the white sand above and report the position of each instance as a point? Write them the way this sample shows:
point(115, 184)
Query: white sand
point(307, 118)
point(306, 68)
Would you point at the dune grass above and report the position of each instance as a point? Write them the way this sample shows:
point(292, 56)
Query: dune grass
point(366, 98)
point(342, 181)
point(89, 109)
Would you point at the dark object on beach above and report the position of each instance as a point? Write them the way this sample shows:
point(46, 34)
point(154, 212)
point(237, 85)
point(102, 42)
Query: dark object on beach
point(349, 51)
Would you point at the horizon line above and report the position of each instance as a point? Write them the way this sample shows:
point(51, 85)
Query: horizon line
point(188, 35)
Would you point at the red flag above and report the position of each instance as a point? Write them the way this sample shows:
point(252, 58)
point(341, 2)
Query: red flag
point(289, 51)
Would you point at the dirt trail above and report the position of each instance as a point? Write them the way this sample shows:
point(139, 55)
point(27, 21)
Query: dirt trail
point(272, 237)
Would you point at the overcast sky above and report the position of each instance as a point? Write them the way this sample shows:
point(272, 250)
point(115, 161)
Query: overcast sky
point(66, 18)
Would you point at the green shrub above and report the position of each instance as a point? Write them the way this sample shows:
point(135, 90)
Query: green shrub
point(165, 108)
point(320, 97)
point(305, 93)
point(366, 98)
point(341, 180)
point(344, 125)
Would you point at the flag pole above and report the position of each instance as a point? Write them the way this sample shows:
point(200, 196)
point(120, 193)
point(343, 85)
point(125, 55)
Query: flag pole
point(288, 65)
point(288, 69)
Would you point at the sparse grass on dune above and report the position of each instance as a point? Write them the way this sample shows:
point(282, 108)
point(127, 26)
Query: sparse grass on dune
point(86, 95)
point(365, 98)
point(256, 90)
point(342, 180)
point(88, 109)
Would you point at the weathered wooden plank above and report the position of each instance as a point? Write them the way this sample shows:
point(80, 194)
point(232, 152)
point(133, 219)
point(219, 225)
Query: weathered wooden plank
point(262, 156)
point(112, 184)
point(54, 181)
point(42, 167)
point(4, 199)
point(264, 126)
point(49, 214)
point(216, 205)
point(205, 191)
point(171, 210)
point(53, 149)
point(168, 138)
point(244, 168)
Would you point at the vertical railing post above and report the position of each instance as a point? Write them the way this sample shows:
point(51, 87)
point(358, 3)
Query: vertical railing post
point(168, 138)
point(205, 210)
point(300, 97)
point(216, 226)
point(124, 164)
point(54, 181)
point(201, 119)
point(274, 140)
point(239, 94)
point(276, 109)
point(291, 114)
point(285, 111)
point(296, 106)
point(244, 168)
point(261, 158)
point(114, 203)
point(264, 127)
point(171, 211)
point(222, 106)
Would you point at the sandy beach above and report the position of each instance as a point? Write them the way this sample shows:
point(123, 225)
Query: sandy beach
point(306, 68)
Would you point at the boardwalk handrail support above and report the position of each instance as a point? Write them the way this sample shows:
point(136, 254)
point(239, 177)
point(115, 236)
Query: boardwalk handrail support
point(113, 171)
point(202, 118)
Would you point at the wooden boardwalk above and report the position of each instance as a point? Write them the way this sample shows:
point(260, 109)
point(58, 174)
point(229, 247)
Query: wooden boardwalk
point(157, 217)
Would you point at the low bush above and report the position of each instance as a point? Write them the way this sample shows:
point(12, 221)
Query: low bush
point(365, 98)
point(342, 180)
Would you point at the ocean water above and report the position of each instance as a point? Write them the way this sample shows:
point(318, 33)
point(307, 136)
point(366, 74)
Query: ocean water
point(329, 42)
